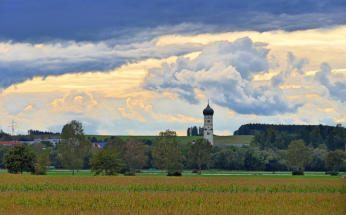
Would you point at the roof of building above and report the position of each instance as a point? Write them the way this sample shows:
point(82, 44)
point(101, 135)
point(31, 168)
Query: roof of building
point(208, 110)
point(10, 143)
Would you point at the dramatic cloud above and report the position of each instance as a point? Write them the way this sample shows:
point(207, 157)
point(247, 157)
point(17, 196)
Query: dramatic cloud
point(336, 89)
point(22, 61)
point(82, 20)
point(223, 71)
point(148, 83)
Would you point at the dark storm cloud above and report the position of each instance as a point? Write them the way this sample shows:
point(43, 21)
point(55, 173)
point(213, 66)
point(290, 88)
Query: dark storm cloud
point(24, 61)
point(79, 20)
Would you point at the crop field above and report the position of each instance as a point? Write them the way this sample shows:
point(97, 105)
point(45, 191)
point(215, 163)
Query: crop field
point(27, 194)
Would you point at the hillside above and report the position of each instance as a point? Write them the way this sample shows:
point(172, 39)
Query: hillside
point(219, 140)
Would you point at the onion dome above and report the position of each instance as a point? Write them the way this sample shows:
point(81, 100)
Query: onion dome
point(208, 111)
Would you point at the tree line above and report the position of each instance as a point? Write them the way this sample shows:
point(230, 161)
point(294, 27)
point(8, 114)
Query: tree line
point(267, 152)
point(195, 131)
point(279, 136)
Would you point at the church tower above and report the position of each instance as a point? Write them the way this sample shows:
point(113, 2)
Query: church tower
point(208, 113)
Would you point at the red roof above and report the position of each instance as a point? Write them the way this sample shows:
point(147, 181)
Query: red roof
point(10, 143)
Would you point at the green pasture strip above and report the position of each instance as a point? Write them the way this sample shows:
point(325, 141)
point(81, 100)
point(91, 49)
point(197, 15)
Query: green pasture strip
point(234, 139)
point(228, 188)
point(181, 139)
point(205, 173)
point(223, 140)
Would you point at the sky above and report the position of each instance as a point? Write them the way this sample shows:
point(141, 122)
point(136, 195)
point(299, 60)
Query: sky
point(139, 67)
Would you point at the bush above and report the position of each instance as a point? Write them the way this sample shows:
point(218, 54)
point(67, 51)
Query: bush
point(42, 163)
point(333, 173)
point(297, 172)
point(20, 158)
point(174, 173)
point(196, 171)
point(128, 173)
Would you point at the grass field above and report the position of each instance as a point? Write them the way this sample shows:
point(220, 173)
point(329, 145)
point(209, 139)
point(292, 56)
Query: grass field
point(205, 173)
point(218, 140)
point(258, 194)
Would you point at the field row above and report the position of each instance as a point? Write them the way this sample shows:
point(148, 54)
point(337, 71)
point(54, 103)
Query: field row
point(176, 184)
point(169, 203)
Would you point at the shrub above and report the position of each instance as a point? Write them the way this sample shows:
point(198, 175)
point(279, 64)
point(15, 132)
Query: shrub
point(298, 172)
point(174, 173)
point(19, 159)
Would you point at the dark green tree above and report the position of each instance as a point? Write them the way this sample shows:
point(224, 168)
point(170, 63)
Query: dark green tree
point(316, 137)
point(106, 162)
point(254, 159)
point(274, 162)
point(318, 161)
point(200, 153)
point(167, 154)
point(20, 158)
point(74, 146)
point(335, 160)
point(3, 150)
point(298, 157)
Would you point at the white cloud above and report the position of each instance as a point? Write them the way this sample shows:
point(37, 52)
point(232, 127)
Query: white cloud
point(224, 72)
point(336, 89)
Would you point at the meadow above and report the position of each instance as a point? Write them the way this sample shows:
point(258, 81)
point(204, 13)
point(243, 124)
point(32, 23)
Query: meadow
point(219, 140)
point(259, 194)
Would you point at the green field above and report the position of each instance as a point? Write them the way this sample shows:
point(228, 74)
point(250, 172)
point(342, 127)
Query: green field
point(205, 173)
point(218, 140)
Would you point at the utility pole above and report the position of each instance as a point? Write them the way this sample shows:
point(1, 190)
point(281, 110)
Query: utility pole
point(13, 125)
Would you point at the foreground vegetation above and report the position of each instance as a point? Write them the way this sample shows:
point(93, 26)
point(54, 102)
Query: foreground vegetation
point(27, 194)
point(269, 150)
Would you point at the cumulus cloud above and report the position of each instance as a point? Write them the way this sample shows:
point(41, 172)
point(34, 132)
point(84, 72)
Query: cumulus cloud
point(224, 72)
point(293, 65)
point(336, 89)
point(73, 102)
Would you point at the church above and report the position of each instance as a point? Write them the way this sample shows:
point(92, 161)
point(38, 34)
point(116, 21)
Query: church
point(208, 113)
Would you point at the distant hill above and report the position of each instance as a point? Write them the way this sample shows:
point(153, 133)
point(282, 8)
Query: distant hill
point(252, 129)
point(219, 140)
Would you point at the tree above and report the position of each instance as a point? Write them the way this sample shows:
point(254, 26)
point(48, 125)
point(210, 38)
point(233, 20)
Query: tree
point(74, 146)
point(106, 162)
point(298, 157)
point(335, 160)
point(318, 162)
point(167, 154)
point(316, 137)
point(3, 150)
point(42, 163)
point(200, 153)
point(115, 144)
point(254, 159)
point(134, 155)
point(274, 161)
point(20, 158)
